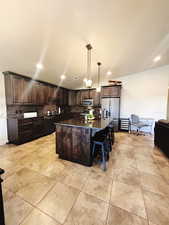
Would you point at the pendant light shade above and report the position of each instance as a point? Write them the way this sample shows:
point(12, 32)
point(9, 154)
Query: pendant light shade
point(98, 89)
point(88, 80)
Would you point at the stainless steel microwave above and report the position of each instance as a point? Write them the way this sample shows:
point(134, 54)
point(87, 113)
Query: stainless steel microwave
point(87, 102)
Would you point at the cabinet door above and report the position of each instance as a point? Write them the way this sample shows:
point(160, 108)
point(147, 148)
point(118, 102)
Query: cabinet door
point(46, 91)
point(84, 95)
point(17, 86)
point(27, 91)
point(51, 94)
point(78, 97)
point(34, 93)
point(111, 91)
point(60, 96)
point(72, 98)
point(37, 93)
point(9, 89)
point(115, 91)
point(95, 96)
point(105, 91)
point(65, 97)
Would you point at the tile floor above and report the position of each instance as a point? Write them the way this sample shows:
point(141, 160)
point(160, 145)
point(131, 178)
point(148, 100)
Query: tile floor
point(41, 189)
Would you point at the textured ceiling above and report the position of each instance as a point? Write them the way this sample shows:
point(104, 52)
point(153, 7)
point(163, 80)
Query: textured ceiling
point(125, 35)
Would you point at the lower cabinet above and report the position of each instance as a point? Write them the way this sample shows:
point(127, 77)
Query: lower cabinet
point(24, 130)
point(161, 134)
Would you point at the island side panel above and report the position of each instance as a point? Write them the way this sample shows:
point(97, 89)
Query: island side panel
point(81, 137)
point(73, 143)
point(64, 141)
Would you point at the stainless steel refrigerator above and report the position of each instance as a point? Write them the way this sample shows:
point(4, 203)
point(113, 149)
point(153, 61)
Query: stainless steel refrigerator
point(111, 108)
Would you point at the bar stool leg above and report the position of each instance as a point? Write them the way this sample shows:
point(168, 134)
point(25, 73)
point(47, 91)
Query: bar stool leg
point(93, 150)
point(103, 157)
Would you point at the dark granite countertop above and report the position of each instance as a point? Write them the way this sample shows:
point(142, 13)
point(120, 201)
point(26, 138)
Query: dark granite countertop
point(97, 123)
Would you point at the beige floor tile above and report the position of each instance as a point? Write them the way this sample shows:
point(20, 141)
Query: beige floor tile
point(58, 202)
point(123, 162)
point(150, 223)
point(88, 210)
point(74, 179)
point(147, 167)
point(119, 216)
point(53, 169)
point(157, 208)
point(29, 185)
point(128, 175)
point(109, 171)
point(5, 164)
point(154, 183)
point(98, 185)
point(37, 217)
point(164, 172)
point(128, 197)
point(10, 171)
point(18, 154)
point(15, 208)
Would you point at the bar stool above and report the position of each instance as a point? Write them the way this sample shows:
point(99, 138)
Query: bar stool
point(101, 140)
point(111, 135)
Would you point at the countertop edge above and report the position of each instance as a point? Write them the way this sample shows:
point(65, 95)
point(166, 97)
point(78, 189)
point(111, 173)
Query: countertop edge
point(73, 125)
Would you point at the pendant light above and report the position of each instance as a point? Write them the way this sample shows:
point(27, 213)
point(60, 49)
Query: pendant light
point(98, 89)
point(88, 81)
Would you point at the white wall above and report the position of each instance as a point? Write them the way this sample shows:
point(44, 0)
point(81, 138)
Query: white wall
point(3, 117)
point(146, 93)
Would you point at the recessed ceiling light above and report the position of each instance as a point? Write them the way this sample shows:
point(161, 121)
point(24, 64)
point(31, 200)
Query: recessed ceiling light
point(39, 66)
point(109, 73)
point(157, 58)
point(62, 77)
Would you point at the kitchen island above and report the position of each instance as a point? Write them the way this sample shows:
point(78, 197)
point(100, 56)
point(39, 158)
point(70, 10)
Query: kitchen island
point(73, 139)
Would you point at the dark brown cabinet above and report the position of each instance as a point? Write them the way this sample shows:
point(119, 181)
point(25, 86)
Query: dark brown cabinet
point(21, 90)
point(66, 96)
point(111, 91)
point(17, 87)
point(85, 94)
point(72, 98)
point(23, 130)
point(95, 96)
point(78, 97)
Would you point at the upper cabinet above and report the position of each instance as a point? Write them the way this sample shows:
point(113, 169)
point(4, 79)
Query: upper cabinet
point(85, 94)
point(71, 98)
point(95, 96)
point(78, 97)
point(21, 90)
point(17, 90)
point(111, 91)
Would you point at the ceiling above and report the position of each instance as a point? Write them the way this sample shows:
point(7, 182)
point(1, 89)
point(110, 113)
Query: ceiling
point(126, 36)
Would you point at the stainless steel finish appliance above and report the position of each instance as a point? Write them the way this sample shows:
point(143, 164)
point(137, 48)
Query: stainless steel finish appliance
point(111, 108)
point(87, 102)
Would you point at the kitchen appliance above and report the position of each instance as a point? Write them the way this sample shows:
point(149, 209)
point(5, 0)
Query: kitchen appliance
point(87, 102)
point(30, 115)
point(111, 108)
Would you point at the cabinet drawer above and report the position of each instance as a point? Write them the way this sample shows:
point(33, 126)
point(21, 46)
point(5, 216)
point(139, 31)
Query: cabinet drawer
point(23, 122)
